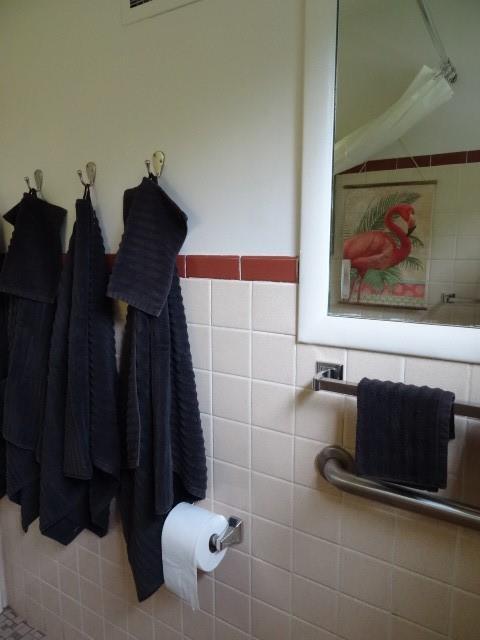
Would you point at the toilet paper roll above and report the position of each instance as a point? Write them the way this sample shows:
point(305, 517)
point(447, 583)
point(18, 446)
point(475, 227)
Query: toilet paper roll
point(185, 548)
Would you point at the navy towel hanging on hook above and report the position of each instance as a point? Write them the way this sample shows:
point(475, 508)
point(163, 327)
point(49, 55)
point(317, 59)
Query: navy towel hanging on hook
point(163, 449)
point(30, 275)
point(80, 452)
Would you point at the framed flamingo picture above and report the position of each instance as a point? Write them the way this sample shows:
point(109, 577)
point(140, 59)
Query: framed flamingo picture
point(386, 243)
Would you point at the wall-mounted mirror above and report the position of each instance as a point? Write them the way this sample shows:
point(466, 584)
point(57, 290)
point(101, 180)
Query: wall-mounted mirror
point(406, 196)
point(391, 177)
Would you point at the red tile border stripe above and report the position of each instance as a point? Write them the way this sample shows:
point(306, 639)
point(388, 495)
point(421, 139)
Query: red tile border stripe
point(473, 156)
point(252, 268)
point(217, 267)
point(270, 268)
point(434, 160)
point(411, 163)
point(387, 164)
point(457, 157)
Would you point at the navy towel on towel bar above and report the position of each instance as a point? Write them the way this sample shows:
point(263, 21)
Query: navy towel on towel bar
point(403, 433)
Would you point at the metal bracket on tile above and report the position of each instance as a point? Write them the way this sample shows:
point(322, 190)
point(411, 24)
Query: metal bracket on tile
point(232, 535)
point(326, 370)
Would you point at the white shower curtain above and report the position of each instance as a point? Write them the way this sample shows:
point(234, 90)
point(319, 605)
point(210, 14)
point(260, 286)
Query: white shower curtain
point(428, 91)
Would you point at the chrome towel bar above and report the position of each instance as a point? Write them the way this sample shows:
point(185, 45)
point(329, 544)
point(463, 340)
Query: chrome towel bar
point(321, 383)
point(338, 467)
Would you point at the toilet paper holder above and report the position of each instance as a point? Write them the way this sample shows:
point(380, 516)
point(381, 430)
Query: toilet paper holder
point(232, 535)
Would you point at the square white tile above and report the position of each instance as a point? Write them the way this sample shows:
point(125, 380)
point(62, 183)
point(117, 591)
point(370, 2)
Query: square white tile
point(272, 453)
point(231, 351)
point(231, 485)
point(273, 358)
point(274, 307)
point(200, 345)
point(231, 397)
point(231, 304)
point(197, 300)
point(231, 441)
point(273, 406)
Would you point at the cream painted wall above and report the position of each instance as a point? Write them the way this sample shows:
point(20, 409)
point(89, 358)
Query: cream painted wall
point(216, 85)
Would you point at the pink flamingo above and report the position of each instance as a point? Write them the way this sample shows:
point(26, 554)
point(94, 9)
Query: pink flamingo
point(378, 249)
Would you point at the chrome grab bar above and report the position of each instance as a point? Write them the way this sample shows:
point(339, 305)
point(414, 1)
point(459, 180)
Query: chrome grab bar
point(338, 467)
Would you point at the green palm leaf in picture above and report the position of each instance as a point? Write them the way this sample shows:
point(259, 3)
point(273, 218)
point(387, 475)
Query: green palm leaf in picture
point(378, 279)
point(373, 218)
point(416, 242)
point(413, 263)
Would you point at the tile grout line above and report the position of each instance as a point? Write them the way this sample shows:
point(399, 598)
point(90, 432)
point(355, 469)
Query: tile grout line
point(214, 603)
point(250, 559)
point(395, 536)
point(293, 483)
point(453, 582)
point(341, 519)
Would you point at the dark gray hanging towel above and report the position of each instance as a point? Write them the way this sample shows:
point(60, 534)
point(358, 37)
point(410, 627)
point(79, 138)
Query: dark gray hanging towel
point(163, 449)
point(80, 450)
point(403, 433)
point(3, 379)
point(30, 275)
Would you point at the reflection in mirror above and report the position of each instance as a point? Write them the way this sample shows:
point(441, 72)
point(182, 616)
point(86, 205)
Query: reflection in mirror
point(406, 201)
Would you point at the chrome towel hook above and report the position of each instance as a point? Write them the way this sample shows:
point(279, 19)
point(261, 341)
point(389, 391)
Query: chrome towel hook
point(38, 179)
point(157, 162)
point(91, 171)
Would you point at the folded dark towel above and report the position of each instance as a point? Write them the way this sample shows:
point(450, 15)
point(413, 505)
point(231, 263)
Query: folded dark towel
point(145, 263)
point(403, 433)
point(36, 239)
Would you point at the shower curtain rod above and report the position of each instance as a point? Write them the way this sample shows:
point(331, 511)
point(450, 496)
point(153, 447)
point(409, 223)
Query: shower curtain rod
point(447, 68)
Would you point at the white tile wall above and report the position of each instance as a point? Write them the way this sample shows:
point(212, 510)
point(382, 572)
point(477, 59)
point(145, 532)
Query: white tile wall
point(315, 564)
point(274, 307)
point(231, 304)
